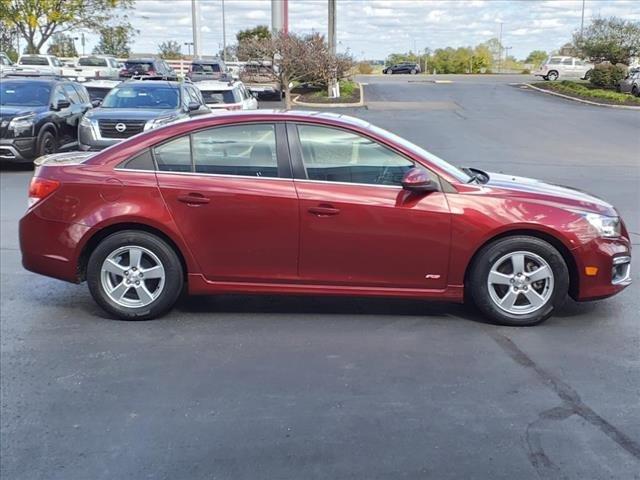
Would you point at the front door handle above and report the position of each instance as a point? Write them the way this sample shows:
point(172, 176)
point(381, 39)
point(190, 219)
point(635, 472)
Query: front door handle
point(324, 210)
point(193, 199)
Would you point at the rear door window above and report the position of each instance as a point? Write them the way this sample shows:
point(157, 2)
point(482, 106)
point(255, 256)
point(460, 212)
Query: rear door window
point(174, 156)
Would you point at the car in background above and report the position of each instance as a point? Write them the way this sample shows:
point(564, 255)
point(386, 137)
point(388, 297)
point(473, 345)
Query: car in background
point(203, 69)
point(6, 65)
point(631, 84)
point(135, 106)
point(39, 116)
point(97, 66)
point(564, 67)
point(262, 79)
point(227, 95)
point(317, 204)
point(39, 65)
point(98, 89)
point(404, 67)
point(151, 67)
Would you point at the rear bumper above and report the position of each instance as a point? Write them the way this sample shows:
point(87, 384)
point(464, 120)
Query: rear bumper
point(611, 259)
point(58, 257)
point(18, 150)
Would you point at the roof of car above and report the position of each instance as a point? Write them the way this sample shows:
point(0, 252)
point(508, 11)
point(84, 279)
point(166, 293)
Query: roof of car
point(36, 79)
point(140, 60)
point(217, 85)
point(290, 114)
point(153, 83)
point(102, 83)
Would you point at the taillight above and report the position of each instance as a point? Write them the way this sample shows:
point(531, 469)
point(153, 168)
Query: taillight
point(40, 188)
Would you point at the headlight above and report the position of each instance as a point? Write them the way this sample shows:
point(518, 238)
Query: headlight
point(158, 122)
point(21, 123)
point(85, 122)
point(608, 227)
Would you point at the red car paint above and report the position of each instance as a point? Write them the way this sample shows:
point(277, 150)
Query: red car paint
point(286, 235)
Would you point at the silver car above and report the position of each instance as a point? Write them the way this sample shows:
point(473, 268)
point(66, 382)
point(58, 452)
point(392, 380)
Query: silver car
point(631, 84)
point(564, 67)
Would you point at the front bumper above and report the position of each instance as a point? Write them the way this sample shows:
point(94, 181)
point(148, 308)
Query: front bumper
point(604, 268)
point(89, 138)
point(18, 150)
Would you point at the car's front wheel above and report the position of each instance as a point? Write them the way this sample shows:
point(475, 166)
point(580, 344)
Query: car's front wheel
point(47, 144)
point(389, 71)
point(552, 76)
point(518, 280)
point(414, 71)
point(635, 91)
point(135, 275)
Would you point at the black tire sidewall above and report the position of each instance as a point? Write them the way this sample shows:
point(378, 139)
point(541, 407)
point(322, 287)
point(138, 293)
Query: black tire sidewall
point(479, 291)
point(41, 142)
point(174, 275)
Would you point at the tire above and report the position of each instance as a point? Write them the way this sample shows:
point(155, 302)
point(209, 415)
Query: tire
point(414, 71)
point(552, 76)
point(587, 75)
point(163, 286)
point(47, 144)
point(545, 78)
point(635, 91)
point(388, 71)
point(550, 291)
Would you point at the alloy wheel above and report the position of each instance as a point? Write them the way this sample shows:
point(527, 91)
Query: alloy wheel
point(132, 276)
point(520, 283)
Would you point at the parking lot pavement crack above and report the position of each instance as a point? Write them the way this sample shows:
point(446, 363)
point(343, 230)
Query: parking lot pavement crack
point(572, 404)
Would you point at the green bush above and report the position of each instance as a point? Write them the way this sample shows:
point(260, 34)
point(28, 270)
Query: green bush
point(346, 88)
point(364, 68)
point(606, 75)
point(526, 71)
point(589, 92)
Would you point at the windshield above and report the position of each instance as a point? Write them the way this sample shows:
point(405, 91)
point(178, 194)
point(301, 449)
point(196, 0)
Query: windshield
point(24, 94)
point(92, 62)
point(140, 67)
point(33, 61)
point(455, 172)
point(205, 68)
point(218, 96)
point(142, 97)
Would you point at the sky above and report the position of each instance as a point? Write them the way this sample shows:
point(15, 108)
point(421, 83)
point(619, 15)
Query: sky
point(372, 29)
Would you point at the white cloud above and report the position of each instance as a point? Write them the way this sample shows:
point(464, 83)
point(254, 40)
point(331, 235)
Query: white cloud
point(375, 28)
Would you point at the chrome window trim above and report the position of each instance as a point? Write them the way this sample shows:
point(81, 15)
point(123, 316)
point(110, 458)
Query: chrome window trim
point(329, 182)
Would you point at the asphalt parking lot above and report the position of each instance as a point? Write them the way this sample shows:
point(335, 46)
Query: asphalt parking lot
point(238, 387)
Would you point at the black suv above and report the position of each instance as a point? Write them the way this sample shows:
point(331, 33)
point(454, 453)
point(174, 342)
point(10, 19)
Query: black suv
point(202, 69)
point(151, 67)
point(405, 67)
point(135, 106)
point(39, 116)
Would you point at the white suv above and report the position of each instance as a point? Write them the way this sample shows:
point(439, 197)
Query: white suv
point(556, 67)
point(228, 95)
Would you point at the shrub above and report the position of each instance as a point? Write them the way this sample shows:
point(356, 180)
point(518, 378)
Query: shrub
point(607, 75)
point(364, 68)
point(526, 71)
point(347, 88)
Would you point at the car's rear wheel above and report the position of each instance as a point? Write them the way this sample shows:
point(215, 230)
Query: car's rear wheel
point(135, 275)
point(552, 76)
point(518, 281)
point(47, 144)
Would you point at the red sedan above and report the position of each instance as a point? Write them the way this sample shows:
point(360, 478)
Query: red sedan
point(317, 204)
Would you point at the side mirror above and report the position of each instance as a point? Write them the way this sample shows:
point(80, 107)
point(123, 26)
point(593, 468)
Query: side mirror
point(417, 180)
point(96, 103)
point(193, 106)
point(61, 104)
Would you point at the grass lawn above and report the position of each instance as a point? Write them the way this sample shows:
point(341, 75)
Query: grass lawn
point(349, 93)
point(586, 91)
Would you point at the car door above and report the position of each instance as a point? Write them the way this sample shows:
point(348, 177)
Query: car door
point(65, 118)
point(230, 191)
point(357, 225)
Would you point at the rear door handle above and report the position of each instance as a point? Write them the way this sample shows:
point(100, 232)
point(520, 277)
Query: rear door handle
point(324, 210)
point(193, 199)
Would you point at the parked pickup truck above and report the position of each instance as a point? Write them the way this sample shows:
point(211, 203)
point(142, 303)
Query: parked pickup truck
point(95, 66)
point(39, 65)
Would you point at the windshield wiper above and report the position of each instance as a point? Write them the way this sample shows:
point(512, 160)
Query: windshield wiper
point(476, 175)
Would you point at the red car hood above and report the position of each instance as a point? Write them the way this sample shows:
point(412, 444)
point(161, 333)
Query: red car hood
point(555, 195)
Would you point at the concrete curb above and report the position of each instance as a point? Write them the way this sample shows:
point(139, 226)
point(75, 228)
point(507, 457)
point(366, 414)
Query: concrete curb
point(588, 102)
point(332, 105)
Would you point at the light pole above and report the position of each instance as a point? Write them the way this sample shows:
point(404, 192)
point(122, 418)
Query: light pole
point(506, 54)
point(500, 50)
point(224, 36)
point(582, 21)
point(334, 89)
point(195, 26)
point(189, 45)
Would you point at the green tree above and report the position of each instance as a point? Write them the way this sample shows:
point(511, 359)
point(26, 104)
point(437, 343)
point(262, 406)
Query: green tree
point(536, 57)
point(8, 36)
point(613, 40)
point(261, 31)
point(38, 20)
point(170, 50)
point(115, 41)
point(62, 45)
